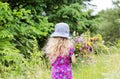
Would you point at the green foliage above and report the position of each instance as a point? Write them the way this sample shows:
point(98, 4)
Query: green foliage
point(39, 6)
point(116, 3)
point(36, 6)
point(10, 58)
point(71, 11)
point(109, 25)
point(79, 20)
point(20, 33)
point(21, 27)
point(99, 46)
point(118, 44)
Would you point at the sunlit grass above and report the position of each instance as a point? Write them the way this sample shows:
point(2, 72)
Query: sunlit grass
point(107, 66)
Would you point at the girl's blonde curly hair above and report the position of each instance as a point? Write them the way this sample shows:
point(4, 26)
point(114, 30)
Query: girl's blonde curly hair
point(58, 46)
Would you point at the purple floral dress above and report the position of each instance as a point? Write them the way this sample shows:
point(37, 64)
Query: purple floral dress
point(62, 67)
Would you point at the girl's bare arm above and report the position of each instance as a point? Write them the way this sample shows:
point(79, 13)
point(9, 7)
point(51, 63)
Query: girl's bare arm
point(73, 59)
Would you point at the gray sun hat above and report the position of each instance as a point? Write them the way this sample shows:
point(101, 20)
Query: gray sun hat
point(61, 30)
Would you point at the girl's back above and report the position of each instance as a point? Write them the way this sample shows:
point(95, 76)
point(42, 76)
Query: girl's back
point(60, 50)
point(62, 67)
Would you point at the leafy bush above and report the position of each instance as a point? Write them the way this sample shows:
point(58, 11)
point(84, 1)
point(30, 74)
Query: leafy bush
point(20, 33)
point(21, 27)
point(14, 65)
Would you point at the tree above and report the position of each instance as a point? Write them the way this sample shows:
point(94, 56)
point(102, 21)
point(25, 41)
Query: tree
point(109, 25)
point(70, 11)
point(116, 3)
point(79, 20)
point(38, 6)
point(26, 25)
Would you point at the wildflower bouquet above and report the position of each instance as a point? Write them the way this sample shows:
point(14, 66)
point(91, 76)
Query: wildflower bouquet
point(84, 46)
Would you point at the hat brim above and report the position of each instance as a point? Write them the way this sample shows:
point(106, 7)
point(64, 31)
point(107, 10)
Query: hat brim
point(60, 35)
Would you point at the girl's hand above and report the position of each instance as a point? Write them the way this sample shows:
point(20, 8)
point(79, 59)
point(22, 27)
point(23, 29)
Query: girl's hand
point(73, 59)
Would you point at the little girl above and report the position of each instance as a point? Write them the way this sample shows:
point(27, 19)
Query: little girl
point(60, 50)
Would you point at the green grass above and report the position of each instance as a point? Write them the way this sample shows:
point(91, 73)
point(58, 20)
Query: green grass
point(107, 67)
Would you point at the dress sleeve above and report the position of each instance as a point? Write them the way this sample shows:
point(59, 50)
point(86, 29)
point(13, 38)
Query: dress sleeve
point(72, 49)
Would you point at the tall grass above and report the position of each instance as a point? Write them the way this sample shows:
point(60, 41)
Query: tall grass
point(107, 66)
